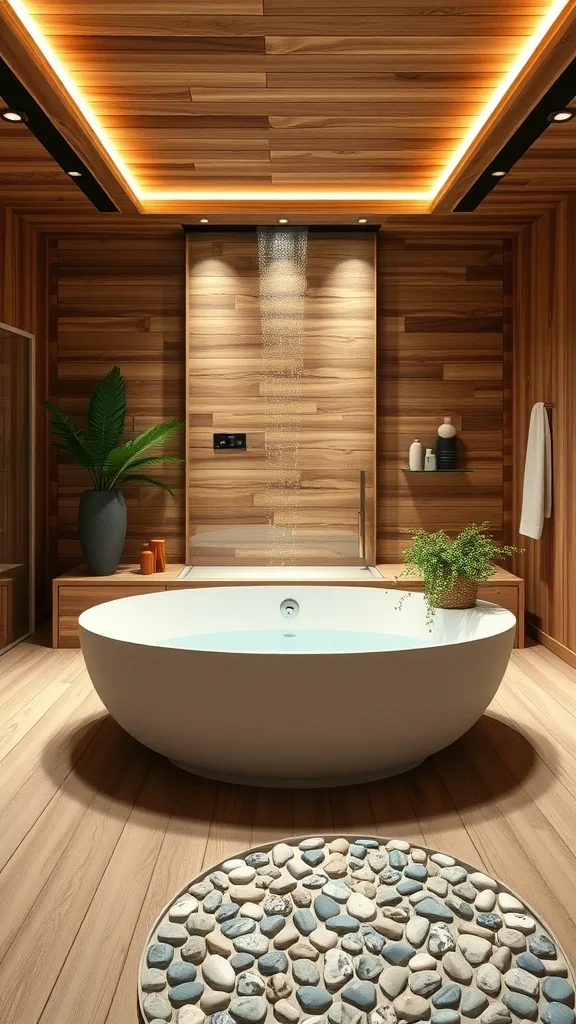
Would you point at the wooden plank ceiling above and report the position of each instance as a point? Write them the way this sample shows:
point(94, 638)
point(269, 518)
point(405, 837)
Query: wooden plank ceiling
point(306, 94)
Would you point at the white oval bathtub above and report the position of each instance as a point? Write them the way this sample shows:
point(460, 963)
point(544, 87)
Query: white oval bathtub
point(340, 687)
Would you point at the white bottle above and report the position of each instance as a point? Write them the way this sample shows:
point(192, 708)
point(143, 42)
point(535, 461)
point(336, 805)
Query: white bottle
point(415, 457)
point(447, 429)
point(430, 460)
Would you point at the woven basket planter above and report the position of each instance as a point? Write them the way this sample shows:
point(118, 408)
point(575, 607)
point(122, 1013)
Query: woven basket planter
point(463, 595)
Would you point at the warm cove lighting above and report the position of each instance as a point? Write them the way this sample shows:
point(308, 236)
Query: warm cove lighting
point(239, 195)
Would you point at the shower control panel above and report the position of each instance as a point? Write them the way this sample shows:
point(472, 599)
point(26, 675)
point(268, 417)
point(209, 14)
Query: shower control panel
point(227, 441)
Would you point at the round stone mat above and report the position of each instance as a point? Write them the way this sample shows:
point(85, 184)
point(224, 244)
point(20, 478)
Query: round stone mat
point(351, 930)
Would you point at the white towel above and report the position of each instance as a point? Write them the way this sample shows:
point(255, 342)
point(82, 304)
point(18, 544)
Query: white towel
point(537, 493)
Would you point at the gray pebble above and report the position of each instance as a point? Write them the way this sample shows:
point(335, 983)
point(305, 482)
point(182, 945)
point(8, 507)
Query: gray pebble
point(460, 907)
point(249, 985)
point(390, 876)
point(433, 910)
point(187, 993)
point(531, 963)
point(557, 990)
point(440, 940)
point(465, 891)
point(340, 1013)
point(445, 1017)
point(255, 943)
point(194, 951)
point(358, 851)
point(491, 921)
point(541, 946)
point(221, 1017)
point(226, 912)
point(447, 997)
point(201, 889)
point(373, 941)
point(387, 897)
point(212, 902)
point(301, 898)
point(455, 875)
point(521, 1006)
point(360, 994)
point(313, 999)
point(156, 1007)
point(250, 1010)
point(474, 1003)
point(277, 905)
point(275, 962)
point(315, 882)
point(397, 859)
point(409, 887)
point(352, 943)
point(325, 907)
point(342, 923)
point(200, 924)
point(241, 961)
point(257, 860)
point(305, 920)
point(180, 972)
point(425, 983)
point(558, 1013)
point(398, 953)
point(271, 926)
point(417, 871)
point(174, 934)
point(305, 972)
point(153, 980)
point(337, 890)
point(313, 857)
point(237, 926)
point(160, 954)
point(369, 967)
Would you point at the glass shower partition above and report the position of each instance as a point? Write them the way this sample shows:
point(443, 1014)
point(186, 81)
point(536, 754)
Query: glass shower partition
point(16, 485)
point(282, 348)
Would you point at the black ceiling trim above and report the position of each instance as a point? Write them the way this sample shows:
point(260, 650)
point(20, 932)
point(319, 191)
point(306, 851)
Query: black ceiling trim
point(559, 95)
point(18, 98)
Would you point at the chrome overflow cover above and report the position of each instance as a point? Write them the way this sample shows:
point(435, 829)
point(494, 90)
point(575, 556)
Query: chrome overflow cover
point(289, 608)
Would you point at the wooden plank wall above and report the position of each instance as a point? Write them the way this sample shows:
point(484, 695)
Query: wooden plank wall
point(24, 303)
point(442, 350)
point(121, 302)
point(228, 501)
point(545, 371)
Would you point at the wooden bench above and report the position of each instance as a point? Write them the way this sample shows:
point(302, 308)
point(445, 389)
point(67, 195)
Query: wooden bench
point(75, 591)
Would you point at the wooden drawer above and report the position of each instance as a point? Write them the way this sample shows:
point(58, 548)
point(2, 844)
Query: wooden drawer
point(70, 600)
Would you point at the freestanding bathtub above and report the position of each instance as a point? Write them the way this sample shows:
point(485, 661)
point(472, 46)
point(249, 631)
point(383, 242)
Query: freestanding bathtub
point(294, 685)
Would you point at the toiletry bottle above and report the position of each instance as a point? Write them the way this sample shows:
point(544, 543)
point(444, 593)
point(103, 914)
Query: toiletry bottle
point(430, 461)
point(446, 446)
point(415, 456)
point(158, 548)
point(146, 560)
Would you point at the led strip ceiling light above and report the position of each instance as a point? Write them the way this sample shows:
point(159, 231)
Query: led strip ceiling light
point(238, 195)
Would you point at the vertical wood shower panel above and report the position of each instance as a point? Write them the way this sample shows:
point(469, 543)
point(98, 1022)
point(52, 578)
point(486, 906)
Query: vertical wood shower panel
point(227, 502)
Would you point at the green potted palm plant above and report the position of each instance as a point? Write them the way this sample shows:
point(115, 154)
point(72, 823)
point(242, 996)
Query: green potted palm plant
point(110, 463)
point(452, 569)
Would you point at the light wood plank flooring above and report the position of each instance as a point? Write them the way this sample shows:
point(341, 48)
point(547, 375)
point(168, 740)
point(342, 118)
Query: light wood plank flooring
point(96, 832)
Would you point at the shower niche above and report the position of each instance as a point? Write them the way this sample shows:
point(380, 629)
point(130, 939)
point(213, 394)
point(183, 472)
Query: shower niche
point(281, 347)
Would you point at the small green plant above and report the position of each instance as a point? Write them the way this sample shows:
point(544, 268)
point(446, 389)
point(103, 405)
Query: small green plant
point(472, 555)
point(99, 450)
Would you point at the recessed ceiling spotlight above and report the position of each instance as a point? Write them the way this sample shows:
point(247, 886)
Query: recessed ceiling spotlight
point(282, 220)
point(561, 115)
point(74, 174)
point(14, 116)
point(362, 220)
point(204, 220)
point(498, 174)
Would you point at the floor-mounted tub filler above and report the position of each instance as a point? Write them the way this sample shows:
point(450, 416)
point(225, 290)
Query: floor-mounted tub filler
point(294, 685)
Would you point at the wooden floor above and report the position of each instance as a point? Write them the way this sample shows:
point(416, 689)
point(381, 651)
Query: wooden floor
point(96, 832)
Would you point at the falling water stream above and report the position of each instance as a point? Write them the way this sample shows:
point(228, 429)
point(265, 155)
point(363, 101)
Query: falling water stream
point(282, 253)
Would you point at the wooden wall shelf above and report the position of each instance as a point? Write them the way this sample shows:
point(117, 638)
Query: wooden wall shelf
point(75, 591)
point(435, 472)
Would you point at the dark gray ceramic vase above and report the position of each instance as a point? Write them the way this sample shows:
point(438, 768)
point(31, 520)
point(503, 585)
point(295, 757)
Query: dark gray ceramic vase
point(102, 530)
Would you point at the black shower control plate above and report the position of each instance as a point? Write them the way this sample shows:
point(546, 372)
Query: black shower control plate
point(228, 441)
